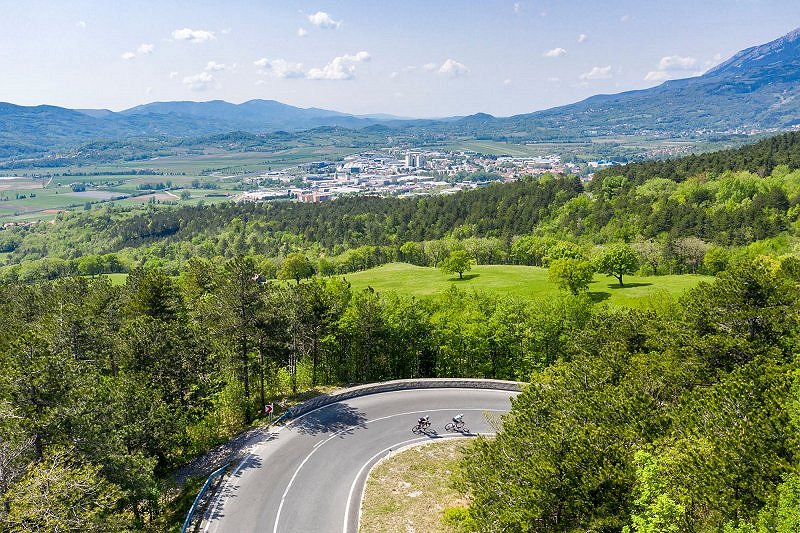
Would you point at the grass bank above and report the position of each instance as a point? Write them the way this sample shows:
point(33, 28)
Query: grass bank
point(410, 491)
point(521, 281)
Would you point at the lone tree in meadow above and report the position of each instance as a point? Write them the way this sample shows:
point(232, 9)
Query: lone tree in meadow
point(617, 260)
point(573, 275)
point(458, 261)
point(296, 266)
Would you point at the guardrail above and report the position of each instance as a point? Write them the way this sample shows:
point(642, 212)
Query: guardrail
point(399, 384)
point(200, 494)
point(364, 390)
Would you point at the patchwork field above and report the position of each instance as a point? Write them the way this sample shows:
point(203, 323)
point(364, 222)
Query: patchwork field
point(39, 193)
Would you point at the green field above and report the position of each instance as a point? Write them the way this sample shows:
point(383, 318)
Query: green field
point(522, 281)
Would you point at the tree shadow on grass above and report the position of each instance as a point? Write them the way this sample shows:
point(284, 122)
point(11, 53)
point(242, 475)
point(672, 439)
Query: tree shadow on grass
point(615, 285)
point(466, 277)
point(333, 418)
point(598, 296)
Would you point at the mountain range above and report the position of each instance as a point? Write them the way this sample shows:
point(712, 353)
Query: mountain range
point(755, 90)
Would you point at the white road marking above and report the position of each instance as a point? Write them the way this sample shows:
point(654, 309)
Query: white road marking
point(319, 445)
point(213, 507)
point(391, 449)
point(223, 489)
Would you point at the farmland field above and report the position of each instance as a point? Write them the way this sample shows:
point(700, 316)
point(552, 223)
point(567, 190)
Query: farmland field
point(40, 193)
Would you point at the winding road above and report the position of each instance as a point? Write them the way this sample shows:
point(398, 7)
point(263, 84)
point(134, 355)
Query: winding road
point(309, 475)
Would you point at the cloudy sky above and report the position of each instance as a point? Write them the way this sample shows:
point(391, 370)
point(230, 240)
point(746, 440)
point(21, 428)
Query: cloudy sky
point(418, 58)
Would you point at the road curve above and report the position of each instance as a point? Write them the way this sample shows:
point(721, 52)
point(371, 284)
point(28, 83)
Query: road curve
point(309, 475)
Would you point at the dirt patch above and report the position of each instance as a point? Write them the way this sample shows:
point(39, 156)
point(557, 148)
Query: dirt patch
point(17, 185)
point(410, 491)
point(146, 198)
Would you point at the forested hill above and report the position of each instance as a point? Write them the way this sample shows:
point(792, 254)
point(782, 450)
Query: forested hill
point(760, 158)
point(273, 229)
point(506, 210)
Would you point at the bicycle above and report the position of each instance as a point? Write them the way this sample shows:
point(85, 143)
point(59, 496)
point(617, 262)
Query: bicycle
point(456, 426)
point(421, 427)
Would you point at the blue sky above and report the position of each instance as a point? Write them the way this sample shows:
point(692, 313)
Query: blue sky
point(418, 58)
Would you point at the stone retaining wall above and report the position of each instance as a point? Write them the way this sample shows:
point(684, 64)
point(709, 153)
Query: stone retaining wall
point(401, 384)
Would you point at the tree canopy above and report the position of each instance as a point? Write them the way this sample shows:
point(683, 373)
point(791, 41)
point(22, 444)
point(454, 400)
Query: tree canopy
point(459, 261)
point(573, 275)
point(617, 260)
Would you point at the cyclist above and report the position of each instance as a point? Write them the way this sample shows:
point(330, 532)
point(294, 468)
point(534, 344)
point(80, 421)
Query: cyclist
point(458, 419)
point(424, 421)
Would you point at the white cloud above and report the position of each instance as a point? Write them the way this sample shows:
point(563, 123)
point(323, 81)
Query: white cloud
point(676, 63)
point(127, 56)
point(212, 66)
point(340, 68)
point(671, 67)
point(657, 75)
point(625, 18)
point(452, 69)
point(555, 52)
point(430, 66)
point(302, 32)
point(597, 73)
point(198, 82)
point(80, 24)
point(280, 68)
point(506, 82)
point(173, 74)
point(194, 36)
point(582, 38)
point(516, 7)
point(145, 48)
point(405, 70)
point(320, 19)
point(225, 31)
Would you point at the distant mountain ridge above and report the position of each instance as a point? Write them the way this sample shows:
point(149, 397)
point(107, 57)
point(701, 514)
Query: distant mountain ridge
point(758, 89)
point(28, 130)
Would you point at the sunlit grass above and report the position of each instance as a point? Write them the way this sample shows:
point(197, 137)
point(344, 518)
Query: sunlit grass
point(521, 281)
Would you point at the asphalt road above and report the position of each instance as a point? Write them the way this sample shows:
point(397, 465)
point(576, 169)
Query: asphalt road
point(309, 475)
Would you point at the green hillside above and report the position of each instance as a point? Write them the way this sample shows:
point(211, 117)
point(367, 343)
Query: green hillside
point(522, 281)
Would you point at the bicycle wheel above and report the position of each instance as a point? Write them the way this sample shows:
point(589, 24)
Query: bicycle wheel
point(449, 426)
point(416, 430)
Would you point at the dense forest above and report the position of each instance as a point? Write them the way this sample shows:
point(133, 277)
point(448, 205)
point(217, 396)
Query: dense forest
point(760, 158)
point(682, 416)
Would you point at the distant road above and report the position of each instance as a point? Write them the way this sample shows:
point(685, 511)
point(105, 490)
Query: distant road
point(309, 475)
